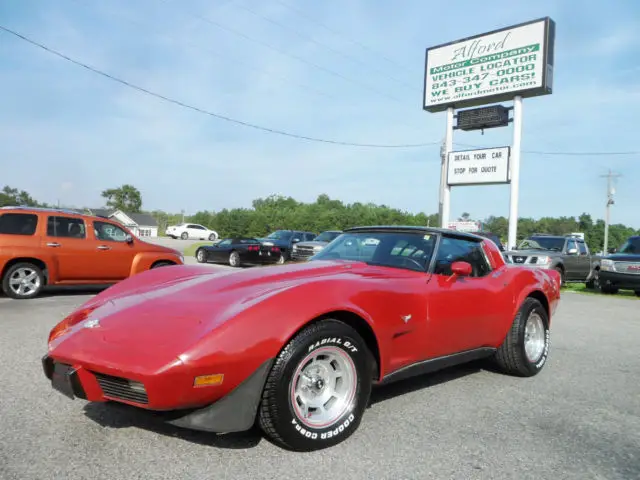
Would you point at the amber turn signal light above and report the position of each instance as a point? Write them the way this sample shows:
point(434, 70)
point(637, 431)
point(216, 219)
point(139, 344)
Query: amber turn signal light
point(208, 380)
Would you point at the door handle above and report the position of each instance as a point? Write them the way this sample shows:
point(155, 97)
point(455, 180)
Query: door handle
point(53, 244)
point(103, 247)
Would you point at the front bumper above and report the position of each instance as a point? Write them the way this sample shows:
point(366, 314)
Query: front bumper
point(619, 280)
point(234, 412)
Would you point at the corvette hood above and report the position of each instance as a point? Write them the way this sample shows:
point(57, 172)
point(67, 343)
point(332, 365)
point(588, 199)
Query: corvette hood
point(153, 323)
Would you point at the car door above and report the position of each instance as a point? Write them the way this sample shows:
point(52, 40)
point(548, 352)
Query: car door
point(114, 255)
point(572, 260)
point(463, 312)
point(73, 253)
point(220, 252)
point(584, 259)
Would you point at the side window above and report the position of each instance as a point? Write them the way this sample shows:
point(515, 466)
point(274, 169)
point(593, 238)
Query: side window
point(18, 224)
point(571, 244)
point(66, 227)
point(583, 248)
point(108, 232)
point(458, 250)
point(225, 243)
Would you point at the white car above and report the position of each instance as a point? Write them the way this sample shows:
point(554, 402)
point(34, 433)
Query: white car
point(187, 231)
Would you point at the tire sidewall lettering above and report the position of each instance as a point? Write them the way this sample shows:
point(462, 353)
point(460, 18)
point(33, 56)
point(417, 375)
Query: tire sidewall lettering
point(545, 352)
point(345, 344)
point(342, 425)
point(332, 432)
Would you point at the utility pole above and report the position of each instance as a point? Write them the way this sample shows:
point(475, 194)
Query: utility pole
point(610, 191)
point(443, 177)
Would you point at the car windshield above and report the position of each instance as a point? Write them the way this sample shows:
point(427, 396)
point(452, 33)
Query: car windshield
point(631, 246)
point(326, 236)
point(542, 243)
point(411, 250)
point(280, 235)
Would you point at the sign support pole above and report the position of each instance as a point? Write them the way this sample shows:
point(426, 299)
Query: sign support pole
point(446, 189)
point(515, 172)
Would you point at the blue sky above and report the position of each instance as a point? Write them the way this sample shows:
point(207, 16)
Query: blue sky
point(67, 133)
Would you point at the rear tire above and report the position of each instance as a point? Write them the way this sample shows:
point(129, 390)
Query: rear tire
point(607, 289)
point(234, 259)
point(184, 236)
point(525, 349)
point(23, 281)
point(326, 362)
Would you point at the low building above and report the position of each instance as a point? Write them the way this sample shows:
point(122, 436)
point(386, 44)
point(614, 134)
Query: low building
point(142, 225)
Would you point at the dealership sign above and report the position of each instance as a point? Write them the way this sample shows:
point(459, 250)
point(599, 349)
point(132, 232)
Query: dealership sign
point(491, 67)
point(479, 167)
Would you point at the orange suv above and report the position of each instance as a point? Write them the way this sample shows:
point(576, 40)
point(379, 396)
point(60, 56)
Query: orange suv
point(49, 246)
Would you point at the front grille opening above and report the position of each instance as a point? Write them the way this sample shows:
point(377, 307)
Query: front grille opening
point(118, 388)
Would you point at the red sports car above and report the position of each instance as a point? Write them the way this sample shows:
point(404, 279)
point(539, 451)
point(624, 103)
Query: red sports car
point(297, 348)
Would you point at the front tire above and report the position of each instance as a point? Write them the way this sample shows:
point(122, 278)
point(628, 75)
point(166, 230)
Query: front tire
point(325, 373)
point(23, 281)
point(201, 256)
point(184, 236)
point(212, 237)
point(525, 349)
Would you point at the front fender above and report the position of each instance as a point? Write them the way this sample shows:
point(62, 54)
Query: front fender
point(248, 332)
point(143, 261)
point(537, 282)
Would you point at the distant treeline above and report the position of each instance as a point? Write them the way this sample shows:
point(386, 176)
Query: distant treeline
point(277, 212)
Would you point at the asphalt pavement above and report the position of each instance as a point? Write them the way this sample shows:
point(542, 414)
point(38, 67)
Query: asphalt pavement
point(578, 419)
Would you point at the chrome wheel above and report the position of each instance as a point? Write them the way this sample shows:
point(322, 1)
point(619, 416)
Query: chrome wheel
point(534, 337)
point(24, 281)
point(200, 256)
point(234, 259)
point(323, 387)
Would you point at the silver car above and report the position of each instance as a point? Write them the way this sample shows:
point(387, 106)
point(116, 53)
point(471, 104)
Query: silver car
point(303, 251)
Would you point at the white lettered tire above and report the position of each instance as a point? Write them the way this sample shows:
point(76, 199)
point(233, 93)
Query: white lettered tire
point(325, 371)
point(525, 349)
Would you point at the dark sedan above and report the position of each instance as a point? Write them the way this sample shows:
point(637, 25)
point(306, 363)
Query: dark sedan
point(238, 251)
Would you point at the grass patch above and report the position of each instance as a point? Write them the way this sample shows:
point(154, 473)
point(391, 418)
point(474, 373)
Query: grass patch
point(581, 288)
point(190, 251)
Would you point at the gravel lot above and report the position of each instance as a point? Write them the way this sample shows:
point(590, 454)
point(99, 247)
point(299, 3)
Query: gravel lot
point(579, 419)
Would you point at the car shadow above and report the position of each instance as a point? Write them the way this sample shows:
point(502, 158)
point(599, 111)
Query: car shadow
point(72, 290)
point(382, 393)
point(116, 415)
point(67, 291)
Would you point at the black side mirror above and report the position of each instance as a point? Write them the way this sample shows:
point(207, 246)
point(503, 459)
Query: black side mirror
point(613, 250)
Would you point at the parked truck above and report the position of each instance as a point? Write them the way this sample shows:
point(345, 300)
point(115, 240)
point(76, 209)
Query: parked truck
point(568, 254)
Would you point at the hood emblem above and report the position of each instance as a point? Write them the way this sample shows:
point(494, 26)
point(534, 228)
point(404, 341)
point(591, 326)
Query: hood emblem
point(93, 323)
point(405, 318)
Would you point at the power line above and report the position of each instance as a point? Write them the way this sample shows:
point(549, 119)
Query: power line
point(206, 112)
point(217, 54)
point(272, 130)
point(579, 154)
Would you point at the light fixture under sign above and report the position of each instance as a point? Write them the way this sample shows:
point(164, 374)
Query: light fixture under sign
point(481, 118)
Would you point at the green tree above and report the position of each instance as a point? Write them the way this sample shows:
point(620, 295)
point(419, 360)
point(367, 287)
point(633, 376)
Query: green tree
point(126, 198)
